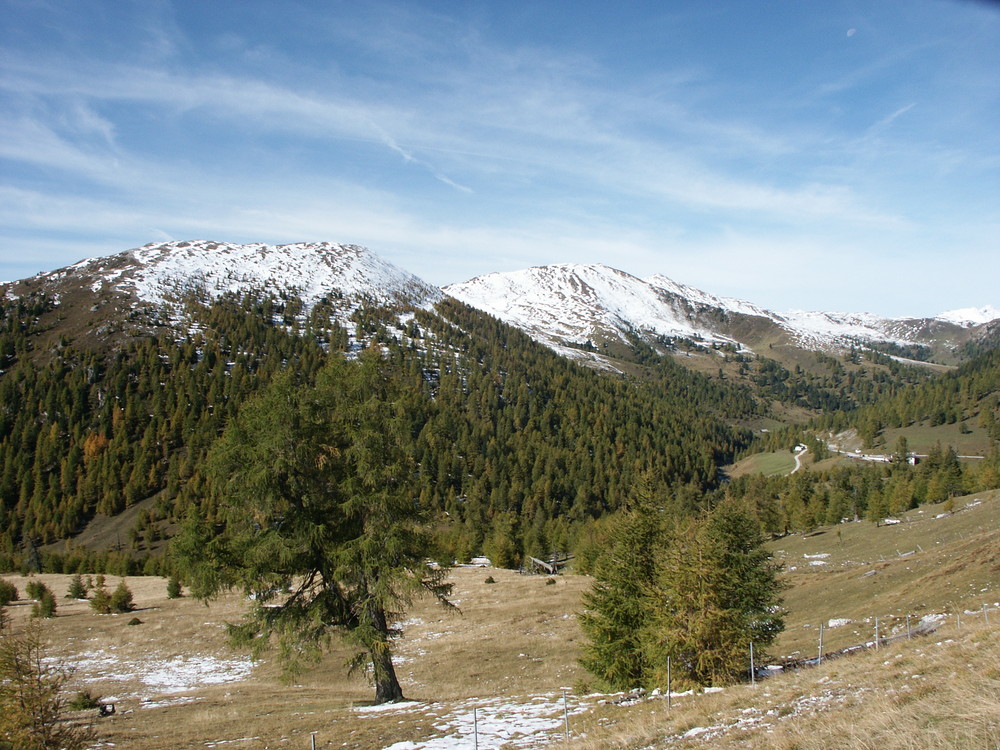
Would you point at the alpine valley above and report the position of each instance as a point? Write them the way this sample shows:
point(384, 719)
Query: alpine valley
point(550, 392)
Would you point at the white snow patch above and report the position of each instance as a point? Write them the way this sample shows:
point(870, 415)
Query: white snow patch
point(162, 675)
point(380, 708)
point(164, 273)
point(575, 303)
point(528, 721)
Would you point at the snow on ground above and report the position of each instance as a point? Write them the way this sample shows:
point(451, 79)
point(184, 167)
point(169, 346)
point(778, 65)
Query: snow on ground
point(160, 676)
point(758, 718)
point(522, 722)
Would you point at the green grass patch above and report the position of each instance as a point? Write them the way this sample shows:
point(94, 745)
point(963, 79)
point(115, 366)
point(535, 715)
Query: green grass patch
point(930, 563)
point(768, 464)
point(923, 437)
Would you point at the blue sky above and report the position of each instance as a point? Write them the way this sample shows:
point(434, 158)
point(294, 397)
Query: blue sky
point(839, 155)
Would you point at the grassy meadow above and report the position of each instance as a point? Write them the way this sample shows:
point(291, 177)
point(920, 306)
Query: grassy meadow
point(512, 649)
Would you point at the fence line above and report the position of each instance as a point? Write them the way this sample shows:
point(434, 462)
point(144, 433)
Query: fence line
point(923, 628)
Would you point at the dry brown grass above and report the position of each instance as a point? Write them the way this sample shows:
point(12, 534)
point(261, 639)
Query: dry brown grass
point(517, 637)
point(923, 693)
point(924, 565)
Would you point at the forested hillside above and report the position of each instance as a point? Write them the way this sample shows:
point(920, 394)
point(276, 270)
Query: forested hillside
point(518, 449)
point(86, 431)
point(970, 393)
point(968, 397)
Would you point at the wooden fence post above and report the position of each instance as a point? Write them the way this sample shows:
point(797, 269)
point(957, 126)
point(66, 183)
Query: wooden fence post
point(669, 688)
point(565, 717)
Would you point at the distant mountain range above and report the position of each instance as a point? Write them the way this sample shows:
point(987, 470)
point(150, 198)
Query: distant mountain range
point(569, 304)
point(578, 310)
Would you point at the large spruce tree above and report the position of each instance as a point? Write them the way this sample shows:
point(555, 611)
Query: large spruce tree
point(322, 526)
point(617, 606)
point(717, 592)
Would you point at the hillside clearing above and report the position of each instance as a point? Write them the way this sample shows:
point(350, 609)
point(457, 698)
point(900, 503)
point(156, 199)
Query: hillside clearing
point(768, 464)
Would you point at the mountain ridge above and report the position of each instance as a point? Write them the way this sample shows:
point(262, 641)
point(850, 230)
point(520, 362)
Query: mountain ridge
point(570, 307)
point(162, 272)
point(677, 310)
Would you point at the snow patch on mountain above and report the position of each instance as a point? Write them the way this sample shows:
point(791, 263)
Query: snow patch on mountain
point(823, 329)
point(697, 296)
point(569, 304)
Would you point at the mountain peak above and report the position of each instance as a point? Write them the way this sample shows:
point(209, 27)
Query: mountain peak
point(575, 303)
point(971, 316)
point(569, 304)
point(162, 272)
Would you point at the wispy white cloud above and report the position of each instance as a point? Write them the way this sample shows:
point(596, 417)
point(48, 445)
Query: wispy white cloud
point(587, 147)
point(887, 121)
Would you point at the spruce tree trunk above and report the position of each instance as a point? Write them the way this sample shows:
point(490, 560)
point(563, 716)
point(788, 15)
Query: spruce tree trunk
point(387, 689)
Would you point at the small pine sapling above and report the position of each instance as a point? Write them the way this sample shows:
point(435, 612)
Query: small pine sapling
point(31, 698)
point(34, 589)
point(45, 605)
point(76, 588)
point(121, 598)
point(101, 601)
point(83, 701)
point(8, 592)
point(174, 588)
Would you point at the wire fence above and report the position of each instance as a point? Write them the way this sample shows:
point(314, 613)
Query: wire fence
point(886, 631)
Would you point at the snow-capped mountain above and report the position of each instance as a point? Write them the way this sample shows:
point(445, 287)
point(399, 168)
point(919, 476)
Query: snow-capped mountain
point(105, 300)
point(971, 316)
point(574, 303)
point(569, 304)
point(161, 273)
point(583, 311)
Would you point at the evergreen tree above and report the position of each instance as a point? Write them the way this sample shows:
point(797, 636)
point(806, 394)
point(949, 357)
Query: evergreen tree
point(174, 588)
point(121, 598)
point(76, 588)
point(878, 507)
point(100, 602)
point(45, 603)
point(321, 521)
point(618, 605)
point(31, 687)
point(717, 592)
point(8, 592)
